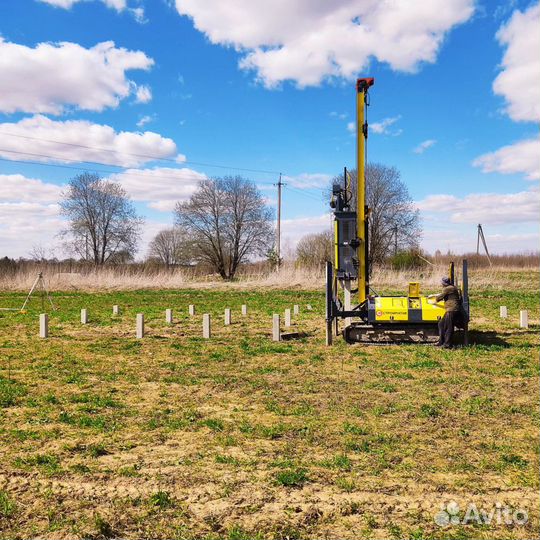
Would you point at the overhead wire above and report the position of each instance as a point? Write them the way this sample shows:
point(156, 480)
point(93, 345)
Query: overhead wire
point(139, 173)
point(145, 156)
point(304, 193)
point(108, 171)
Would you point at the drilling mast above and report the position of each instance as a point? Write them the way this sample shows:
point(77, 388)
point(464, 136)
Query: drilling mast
point(362, 86)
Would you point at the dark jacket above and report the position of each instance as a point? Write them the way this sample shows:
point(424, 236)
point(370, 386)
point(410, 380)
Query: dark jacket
point(451, 297)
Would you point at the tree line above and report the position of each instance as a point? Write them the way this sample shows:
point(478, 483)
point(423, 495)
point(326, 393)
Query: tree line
point(224, 224)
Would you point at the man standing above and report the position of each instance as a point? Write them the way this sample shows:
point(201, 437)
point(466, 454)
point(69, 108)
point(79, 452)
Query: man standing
point(450, 295)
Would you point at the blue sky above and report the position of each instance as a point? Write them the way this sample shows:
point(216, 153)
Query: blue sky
point(248, 85)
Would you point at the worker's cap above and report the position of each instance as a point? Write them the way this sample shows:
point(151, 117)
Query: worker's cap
point(446, 281)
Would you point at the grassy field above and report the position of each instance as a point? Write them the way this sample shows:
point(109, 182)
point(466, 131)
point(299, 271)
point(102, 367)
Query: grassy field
point(173, 436)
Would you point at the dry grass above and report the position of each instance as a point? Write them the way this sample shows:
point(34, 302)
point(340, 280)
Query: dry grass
point(289, 275)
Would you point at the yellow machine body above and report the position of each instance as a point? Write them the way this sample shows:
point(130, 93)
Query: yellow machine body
point(404, 309)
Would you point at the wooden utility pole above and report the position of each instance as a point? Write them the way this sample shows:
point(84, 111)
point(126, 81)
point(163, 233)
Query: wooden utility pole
point(278, 228)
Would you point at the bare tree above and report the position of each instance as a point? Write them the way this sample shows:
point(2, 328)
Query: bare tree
point(171, 246)
point(228, 221)
point(102, 219)
point(314, 249)
point(394, 222)
point(38, 253)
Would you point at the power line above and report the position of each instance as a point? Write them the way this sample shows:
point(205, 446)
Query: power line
point(305, 193)
point(146, 156)
point(302, 192)
point(108, 171)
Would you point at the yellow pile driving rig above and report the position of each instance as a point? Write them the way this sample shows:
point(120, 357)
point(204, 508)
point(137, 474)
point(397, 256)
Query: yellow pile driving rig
point(374, 318)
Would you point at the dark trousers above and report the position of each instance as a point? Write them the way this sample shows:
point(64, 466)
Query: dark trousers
point(446, 327)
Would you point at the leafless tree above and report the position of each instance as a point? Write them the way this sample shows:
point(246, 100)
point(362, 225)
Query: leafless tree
point(314, 249)
point(171, 246)
point(102, 219)
point(38, 253)
point(393, 219)
point(228, 222)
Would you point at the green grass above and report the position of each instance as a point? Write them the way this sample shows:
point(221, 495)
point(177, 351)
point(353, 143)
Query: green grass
point(10, 392)
point(291, 477)
point(7, 506)
point(174, 436)
point(160, 499)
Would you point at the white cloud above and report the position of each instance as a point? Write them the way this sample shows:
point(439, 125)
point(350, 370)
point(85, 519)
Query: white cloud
point(160, 187)
point(518, 81)
point(146, 119)
point(18, 188)
point(382, 127)
point(30, 211)
point(462, 239)
point(25, 224)
point(521, 157)
point(351, 126)
point(424, 145)
point(294, 229)
point(143, 94)
point(270, 201)
point(119, 5)
point(138, 15)
point(306, 41)
point(512, 243)
point(518, 84)
point(51, 77)
point(494, 208)
point(39, 138)
point(308, 180)
point(150, 229)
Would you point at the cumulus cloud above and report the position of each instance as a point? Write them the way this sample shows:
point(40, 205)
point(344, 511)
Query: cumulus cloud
point(383, 127)
point(143, 94)
point(293, 229)
point(138, 15)
point(521, 207)
point(307, 42)
point(462, 239)
point(160, 187)
point(30, 210)
point(39, 138)
point(19, 188)
point(423, 146)
point(26, 224)
point(119, 5)
point(308, 180)
point(52, 76)
point(518, 84)
point(521, 157)
point(518, 80)
point(146, 119)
